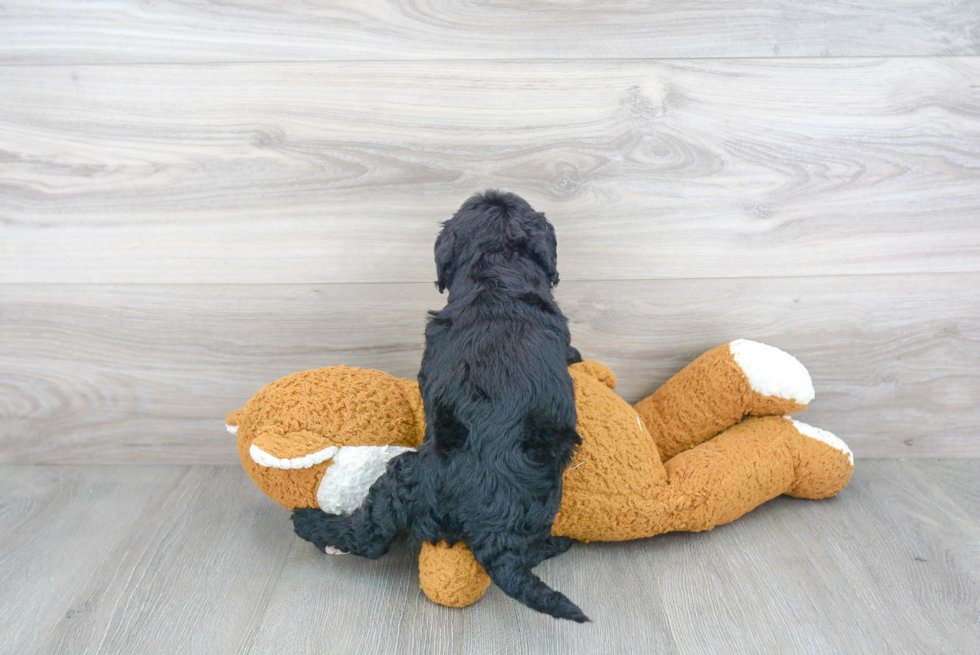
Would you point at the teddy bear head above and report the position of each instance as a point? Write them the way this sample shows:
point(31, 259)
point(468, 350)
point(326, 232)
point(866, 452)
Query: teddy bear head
point(293, 431)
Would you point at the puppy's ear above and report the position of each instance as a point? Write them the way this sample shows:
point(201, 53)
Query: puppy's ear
point(543, 247)
point(445, 256)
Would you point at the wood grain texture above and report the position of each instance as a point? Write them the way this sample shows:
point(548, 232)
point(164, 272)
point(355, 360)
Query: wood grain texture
point(341, 172)
point(245, 30)
point(957, 478)
point(208, 564)
point(57, 526)
point(145, 373)
point(771, 591)
point(194, 575)
point(405, 621)
point(910, 554)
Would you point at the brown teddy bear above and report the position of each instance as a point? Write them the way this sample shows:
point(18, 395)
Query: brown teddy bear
point(682, 459)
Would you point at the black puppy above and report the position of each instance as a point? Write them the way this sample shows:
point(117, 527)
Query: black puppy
point(499, 408)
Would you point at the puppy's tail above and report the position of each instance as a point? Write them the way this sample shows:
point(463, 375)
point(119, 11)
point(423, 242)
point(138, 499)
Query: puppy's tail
point(509, 572)
point(373, 527)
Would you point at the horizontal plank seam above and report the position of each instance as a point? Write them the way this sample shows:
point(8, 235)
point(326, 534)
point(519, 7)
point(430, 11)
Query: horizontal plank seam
point(114, 463)
point(421, 283)
point(454, 60)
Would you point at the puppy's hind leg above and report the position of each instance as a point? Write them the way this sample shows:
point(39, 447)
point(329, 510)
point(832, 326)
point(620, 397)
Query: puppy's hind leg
point(512, 573)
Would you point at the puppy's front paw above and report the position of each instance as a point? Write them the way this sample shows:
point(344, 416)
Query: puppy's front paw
point(312, 524)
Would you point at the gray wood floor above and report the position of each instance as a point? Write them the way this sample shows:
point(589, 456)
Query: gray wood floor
point(194, 559)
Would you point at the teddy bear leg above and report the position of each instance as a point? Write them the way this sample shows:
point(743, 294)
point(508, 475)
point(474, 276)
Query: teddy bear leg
point(824, 463)
point(720, 387)
point(450, 575)
point(722, 479)
point(749, 463)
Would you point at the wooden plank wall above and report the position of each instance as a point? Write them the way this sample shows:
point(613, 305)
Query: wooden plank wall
point(196, 199)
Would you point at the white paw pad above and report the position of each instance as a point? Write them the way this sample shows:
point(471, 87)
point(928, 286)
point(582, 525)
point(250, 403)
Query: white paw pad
point(828, 438)
point(772, 372)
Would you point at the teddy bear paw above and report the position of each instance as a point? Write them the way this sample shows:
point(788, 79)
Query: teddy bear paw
point(824, 462)
point(779, 383)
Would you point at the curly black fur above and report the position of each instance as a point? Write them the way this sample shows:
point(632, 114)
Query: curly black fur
point(499, 406)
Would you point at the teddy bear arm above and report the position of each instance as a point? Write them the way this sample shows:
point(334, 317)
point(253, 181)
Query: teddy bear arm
point(598, 371)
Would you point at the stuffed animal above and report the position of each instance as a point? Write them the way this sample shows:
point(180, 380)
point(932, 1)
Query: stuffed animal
point(683, 459)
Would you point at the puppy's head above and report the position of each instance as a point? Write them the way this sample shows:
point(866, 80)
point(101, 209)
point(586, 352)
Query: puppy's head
point(496, 229)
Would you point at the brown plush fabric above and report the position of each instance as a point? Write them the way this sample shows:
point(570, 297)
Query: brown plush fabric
point(719, 467)
point(733, 473)
point(451, 576)
point(291, 488)
point(596, 370)
point(707, 396)
point(305, 412)
point(410, 392)
point(289, 445)
point(616, 469)
point(821, 470)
